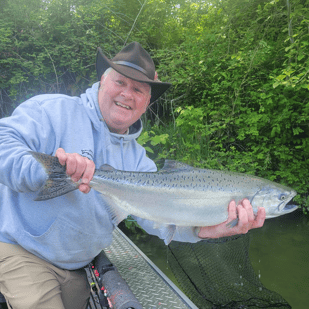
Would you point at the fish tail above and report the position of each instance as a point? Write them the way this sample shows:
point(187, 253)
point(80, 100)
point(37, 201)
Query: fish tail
point(57, 183)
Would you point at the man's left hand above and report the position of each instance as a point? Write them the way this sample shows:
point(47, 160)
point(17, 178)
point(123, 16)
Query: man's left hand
point(246, 221)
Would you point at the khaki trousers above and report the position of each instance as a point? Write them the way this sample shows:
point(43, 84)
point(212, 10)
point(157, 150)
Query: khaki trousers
point(28, 282)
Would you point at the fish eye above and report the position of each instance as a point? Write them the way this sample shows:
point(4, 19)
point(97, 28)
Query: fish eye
point(282, 197)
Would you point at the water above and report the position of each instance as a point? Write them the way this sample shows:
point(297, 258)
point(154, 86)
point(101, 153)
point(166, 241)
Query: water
point(279, 254)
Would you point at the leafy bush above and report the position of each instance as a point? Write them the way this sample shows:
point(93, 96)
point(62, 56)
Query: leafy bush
point(243, 93)
point(239, 70)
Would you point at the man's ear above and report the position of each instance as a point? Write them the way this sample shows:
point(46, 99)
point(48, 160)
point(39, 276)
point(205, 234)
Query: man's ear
point(102, 80)
point(146, 104)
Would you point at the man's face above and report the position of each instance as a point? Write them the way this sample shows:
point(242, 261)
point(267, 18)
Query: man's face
point(122, 101)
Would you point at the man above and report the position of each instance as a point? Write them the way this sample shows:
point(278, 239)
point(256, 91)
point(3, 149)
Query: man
point(45, 245)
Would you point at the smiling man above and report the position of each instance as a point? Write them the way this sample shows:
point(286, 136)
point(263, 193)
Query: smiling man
point(45, 245)
point(122, 100)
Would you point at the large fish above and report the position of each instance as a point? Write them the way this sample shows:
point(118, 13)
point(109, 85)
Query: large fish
point(178, 194)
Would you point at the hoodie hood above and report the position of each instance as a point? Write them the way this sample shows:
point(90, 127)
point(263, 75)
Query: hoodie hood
point(91, 104)
point(66, 231)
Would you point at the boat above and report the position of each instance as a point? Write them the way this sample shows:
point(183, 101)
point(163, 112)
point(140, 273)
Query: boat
point(123, 277)
point(147, 283)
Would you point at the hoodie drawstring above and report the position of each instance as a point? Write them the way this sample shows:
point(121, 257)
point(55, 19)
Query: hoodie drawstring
point(121, 149)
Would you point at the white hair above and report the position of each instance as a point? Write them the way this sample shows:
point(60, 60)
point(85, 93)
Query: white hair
point(107, 71)
point(110, 69)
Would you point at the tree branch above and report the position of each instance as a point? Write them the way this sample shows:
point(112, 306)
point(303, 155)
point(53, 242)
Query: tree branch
point(125, 42)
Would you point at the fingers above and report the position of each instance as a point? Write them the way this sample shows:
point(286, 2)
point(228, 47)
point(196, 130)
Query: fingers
point(249, 210)
point(260, 218)
point(232, 215)
point(246, 218)
point(232, 211)
point(84, 188)
point(61, 155)
point(77, 167)
point(241, 219)
point(243, 223)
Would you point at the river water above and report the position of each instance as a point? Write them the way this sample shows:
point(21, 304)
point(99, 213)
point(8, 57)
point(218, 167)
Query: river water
point(279, 253)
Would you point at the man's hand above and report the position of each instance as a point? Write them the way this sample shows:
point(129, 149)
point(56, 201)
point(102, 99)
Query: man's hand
point(77, 167)
point(247, 221)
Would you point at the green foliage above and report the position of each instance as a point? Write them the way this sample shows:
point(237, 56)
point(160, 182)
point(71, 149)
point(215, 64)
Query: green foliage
point(239, 68)
point(131, 225)
point(50, 46)
point(242, 90)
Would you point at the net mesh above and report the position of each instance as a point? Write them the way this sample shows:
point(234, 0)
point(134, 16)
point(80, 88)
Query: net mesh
point(219, 274)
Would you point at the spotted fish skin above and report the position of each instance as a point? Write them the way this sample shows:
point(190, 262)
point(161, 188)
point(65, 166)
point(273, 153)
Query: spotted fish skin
point(178, 194)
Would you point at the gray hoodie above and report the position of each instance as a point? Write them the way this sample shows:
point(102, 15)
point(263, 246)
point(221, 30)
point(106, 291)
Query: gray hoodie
point(70, 230)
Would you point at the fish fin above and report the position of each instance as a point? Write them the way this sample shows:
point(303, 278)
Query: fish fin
point(157, 225)
point(175, 166)
point(115, 212)
point(57, 183)
point(107, 168)
point(232, 223)
point(50, 164)
point(167, 233)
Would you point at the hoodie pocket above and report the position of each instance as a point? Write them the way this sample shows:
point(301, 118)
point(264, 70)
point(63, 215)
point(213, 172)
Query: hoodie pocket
point(64, 244)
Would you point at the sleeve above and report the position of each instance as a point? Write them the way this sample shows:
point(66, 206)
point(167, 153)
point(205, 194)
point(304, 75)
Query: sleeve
point(27, 129)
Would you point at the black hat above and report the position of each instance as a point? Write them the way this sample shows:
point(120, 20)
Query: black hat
point(135, 63)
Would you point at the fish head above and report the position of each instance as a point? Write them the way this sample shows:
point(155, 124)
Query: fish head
point(275, 198)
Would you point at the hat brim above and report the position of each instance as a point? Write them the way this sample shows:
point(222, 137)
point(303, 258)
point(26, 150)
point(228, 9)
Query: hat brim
point(103, 63)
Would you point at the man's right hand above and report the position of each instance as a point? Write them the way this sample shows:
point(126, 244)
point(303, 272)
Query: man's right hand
point(77, 167)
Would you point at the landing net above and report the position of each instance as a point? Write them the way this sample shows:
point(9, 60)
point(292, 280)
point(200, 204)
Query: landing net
point(218, 274)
